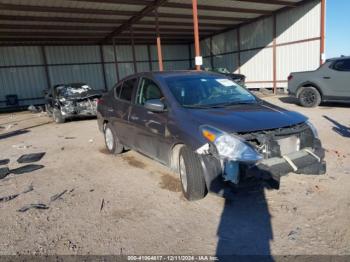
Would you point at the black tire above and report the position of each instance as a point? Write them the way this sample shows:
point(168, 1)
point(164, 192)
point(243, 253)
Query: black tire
point(114, 147)
point(309, 96)
point(194, 188)
point(57, 116)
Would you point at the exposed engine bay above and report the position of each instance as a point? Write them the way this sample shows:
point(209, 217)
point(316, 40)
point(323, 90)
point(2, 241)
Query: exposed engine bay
point(78, 99)
point(268, 153)
point(69, 100)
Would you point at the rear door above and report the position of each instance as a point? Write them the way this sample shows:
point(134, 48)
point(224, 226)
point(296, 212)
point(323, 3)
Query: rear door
point(121, 110)
point(338, 79)
point(150, 127)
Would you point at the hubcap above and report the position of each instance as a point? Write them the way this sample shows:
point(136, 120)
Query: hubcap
point(109, 139)
point(308, 97)
point(183, 174)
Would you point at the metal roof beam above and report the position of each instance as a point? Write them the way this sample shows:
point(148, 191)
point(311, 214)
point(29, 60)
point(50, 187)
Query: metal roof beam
point(136, 18)
point(69, 10)
point(270, 2)
point(218, 8)
point(103, 21)
point(49, 28)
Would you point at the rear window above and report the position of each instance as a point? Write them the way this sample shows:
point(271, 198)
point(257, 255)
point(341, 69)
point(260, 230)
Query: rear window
point(127, 89)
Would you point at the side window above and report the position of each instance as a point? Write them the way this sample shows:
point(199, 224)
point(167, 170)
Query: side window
point(127, 89)
point(117, 89)
point(342, 65)
point(148, 90)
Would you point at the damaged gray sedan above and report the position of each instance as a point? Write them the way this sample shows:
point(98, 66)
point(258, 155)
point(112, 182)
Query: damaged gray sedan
point(210, 130)
point(70, 101)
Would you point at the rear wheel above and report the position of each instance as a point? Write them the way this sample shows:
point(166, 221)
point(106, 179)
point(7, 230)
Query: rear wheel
point(57, 116)
point(191, 175)
point(309, 96)
point(113, 144)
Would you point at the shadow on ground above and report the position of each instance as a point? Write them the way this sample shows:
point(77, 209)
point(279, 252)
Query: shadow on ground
point(245, 227)
point(324, 105)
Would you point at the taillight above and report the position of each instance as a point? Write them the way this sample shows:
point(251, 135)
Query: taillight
point(100, 101)
point(290, 77)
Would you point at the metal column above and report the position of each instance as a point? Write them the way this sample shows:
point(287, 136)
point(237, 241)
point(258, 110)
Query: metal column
point(103, 67)
point(159, 45)
point(133, 48)
point(115, 61)
point(196, 31)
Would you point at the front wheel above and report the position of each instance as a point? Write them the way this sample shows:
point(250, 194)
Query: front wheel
point(113, 144)
point(48, 110)
point(309, 96)
point(57, 116)
point(191, 175)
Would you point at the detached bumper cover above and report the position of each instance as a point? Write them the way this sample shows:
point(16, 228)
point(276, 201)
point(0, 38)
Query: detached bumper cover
point(307, 162)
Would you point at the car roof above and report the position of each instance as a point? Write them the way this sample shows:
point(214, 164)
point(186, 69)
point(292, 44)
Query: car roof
point(175, 73)
point(338, 58)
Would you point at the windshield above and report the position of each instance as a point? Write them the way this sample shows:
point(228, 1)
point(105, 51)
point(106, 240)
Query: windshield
point(208, 91)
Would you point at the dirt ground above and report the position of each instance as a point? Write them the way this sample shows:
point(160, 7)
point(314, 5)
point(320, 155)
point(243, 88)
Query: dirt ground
point(130, 204)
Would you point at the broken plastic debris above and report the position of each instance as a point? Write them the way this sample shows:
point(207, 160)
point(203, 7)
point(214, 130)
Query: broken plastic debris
point(11, 197)
point(22, 146)
point(29, 158)
point(4, 171)
point(203, 149)
point(57, 196)
point(33, 109)
point(102, 204)
point(4, 161)
point(26, 169)
point(30, 206)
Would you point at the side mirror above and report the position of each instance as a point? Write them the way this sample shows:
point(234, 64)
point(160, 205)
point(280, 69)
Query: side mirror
point(155, 105)
point(45, 92)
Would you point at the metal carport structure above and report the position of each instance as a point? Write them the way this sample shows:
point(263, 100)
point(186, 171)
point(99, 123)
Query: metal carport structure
point(43, 41)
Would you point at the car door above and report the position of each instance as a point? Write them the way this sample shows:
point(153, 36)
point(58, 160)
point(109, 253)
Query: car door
point(337, 78)
point(150, 127)
point(121, 110)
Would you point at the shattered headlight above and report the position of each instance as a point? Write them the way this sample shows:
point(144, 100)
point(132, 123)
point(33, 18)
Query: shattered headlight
point(230, 146)
point(313, 129)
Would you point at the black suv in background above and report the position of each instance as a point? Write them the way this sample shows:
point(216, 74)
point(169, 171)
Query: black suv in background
point(329, 83)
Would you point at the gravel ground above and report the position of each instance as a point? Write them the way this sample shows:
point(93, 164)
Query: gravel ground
point(130, 204)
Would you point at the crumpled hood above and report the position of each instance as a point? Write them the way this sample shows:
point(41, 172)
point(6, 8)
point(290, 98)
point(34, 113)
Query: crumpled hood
point(85, 95)
point(247, 117)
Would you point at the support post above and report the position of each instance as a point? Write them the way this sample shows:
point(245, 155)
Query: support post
point(196, 31)
point(274, 54)
point(133, 48)
point(115, 60)
point(238, 49)
point(159, 44)
point(103, 67)
point(149, 58)
point(190, 56)
point(211, 52)
point(323, 29)
point(48, 79)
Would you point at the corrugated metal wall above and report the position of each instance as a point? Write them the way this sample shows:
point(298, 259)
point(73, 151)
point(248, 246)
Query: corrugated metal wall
point(297, 46)
point(22, 69)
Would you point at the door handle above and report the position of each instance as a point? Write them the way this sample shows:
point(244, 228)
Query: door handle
point(110, 110)
point(326, 77)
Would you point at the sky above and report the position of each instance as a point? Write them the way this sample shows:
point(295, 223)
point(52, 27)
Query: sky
point(337, 28)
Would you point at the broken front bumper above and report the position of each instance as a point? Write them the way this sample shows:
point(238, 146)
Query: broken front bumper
point(305, 161)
